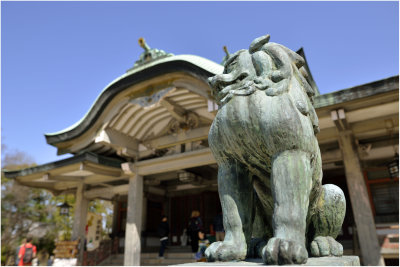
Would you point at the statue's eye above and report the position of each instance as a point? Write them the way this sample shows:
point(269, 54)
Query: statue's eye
point(231, 66)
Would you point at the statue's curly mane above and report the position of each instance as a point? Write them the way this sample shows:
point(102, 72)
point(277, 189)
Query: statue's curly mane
point(277, 70)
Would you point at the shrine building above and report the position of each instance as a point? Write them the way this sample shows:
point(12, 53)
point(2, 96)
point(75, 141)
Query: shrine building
point(143, 145)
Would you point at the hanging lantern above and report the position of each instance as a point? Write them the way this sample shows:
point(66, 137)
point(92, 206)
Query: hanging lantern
point(64, 209)
point(394, 167)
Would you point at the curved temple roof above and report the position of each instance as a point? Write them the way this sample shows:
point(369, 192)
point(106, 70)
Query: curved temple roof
point(194, 65)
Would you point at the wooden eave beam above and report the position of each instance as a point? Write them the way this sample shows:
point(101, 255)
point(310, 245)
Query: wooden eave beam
point(45, 185)
point(100, 170)
point(123, 144)
point(107, 192)
point(98, 179)
point(65, 185)
point(361, 129)
point(181, 138)
point(105, 185)
point(358, 115)
point(374, 153)
point(175, 162)
point(62, 178)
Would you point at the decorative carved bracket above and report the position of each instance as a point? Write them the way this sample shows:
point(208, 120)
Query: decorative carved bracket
point(189, 121)
point(339, 118)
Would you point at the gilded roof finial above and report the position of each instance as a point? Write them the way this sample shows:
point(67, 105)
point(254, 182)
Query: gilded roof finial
point(143, 44)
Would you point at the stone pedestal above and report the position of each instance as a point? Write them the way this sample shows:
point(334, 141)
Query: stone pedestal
point(323, 261)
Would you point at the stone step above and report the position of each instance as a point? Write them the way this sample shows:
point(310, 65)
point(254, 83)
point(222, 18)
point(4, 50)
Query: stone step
point(168, 255)
point(151, 259)
point(150, 262)
point(323, 261)
point(168, 249)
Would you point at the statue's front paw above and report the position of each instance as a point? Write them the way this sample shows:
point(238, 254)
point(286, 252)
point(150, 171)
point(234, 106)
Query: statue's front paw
point(326, 246)
point(281, 251)
point(225, 251)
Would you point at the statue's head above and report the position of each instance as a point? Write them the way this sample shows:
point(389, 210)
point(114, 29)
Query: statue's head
point(238, 75)
point(264, 66)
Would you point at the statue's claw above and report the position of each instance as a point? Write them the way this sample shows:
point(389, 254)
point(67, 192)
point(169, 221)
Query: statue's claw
point(326, 246)
point(225, 251)
point(281, 251)
point(210, 252)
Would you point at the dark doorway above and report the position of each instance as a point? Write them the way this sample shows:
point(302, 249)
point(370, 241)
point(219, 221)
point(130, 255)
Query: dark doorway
point(154, 212)
point(181, 208)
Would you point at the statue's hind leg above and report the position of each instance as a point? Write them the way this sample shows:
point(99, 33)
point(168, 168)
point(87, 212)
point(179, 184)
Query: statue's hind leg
point(262, 225)
point(327, 222)
point(236, 195)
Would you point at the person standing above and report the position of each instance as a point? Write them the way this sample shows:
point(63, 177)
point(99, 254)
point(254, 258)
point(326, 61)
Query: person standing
point(195, 225)
point(203, 244)
point(50, 261)
point(163, 232)
point(17, 252)
point(219, 227)
point(27, 253)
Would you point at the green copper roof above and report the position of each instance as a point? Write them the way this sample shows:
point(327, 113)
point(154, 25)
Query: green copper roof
point(195, 65)
point(357, 92)
point(88, 156)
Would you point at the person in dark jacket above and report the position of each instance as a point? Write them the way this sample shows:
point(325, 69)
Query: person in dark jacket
point(195, 225)
point(163, 232)
point(219, 227)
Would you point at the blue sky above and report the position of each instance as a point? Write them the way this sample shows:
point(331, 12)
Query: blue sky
point(56, 57)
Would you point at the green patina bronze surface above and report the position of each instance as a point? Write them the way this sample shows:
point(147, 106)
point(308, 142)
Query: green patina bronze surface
point(269, 177)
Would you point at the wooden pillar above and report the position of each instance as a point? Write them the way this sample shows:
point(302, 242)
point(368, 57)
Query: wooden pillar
point(363, 217)
point(81, 209)
point(79, 225)
point(144, 214)
point(133, 217)
point(115, 215)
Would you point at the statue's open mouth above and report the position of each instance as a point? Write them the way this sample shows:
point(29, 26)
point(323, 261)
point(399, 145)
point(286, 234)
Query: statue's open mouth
point(222, 84)
point(228, 85)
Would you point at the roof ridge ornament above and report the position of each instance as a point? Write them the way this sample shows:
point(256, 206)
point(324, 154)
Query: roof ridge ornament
point(143, 44)
point(227, 54)
point(149, 54)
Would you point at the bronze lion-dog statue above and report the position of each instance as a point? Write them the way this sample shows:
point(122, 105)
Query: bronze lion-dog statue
point(269, 163)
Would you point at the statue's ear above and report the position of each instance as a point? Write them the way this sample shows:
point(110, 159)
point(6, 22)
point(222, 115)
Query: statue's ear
point(258, 43)
point(296, 58)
